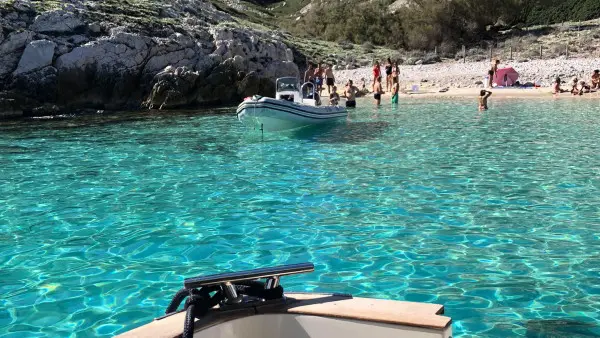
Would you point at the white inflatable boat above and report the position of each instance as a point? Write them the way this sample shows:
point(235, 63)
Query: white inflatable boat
point(294, 106)
point(239, 305)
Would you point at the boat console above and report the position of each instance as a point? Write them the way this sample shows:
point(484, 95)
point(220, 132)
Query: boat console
point(226, 281)
point(239, 305)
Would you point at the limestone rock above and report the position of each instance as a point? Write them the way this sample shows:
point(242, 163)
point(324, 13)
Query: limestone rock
point(45, 110)
point(78, 39)
point(38, 54)
point(9, 108)
point(250, 85)
point(172, 88)
point(94, 28)
point(39, 84)
point(11, 49)
point(102, 71)
point(58, 21)
point(262, 52)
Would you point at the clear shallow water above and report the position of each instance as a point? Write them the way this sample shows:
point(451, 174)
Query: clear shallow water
point(494, 214)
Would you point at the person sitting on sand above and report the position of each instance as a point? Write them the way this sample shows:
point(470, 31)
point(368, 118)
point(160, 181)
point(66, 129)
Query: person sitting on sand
point(582, 88)
point(556, 87)
point(350, 94)
point(573, 86)
point(330, 80)
point(395, 89)
point(483, 97)
point(596, 79)
point(334, 98)
point(378, 90)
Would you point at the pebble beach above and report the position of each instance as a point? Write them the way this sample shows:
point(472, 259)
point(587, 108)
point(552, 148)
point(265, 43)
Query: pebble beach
point(456, 74)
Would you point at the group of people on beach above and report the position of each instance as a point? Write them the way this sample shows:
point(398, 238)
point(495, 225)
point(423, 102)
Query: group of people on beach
point(577, 86)
point(320, 74)
point(392, 73)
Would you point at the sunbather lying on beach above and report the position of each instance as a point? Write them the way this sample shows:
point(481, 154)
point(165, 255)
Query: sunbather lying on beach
point(483, 97)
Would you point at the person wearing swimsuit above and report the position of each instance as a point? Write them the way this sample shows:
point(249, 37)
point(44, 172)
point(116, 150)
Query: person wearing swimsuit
point(395, 73)
point(378, 91)
point(492, 73)
point(483, 97)
point(388, 75)
point(395, 92)
point(376, 73)
point(319, 78)
point(350, 94)
point(330, 79)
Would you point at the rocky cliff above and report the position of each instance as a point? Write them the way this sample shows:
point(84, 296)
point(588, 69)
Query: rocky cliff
point(78, 57)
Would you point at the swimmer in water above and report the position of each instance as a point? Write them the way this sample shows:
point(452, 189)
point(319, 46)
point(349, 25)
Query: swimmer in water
point(483, 97)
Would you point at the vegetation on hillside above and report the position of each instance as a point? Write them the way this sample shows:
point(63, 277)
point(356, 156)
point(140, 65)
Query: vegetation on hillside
point(544, 12)
point(427, 24)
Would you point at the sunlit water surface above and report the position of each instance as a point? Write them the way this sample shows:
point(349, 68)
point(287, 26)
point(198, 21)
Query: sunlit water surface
point(494, 214)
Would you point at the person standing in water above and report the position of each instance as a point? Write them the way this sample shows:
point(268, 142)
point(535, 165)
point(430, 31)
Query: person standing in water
point(330, 80)
point(350, 94)
point(388, 75)
point(395, 72)
point(395, 89)
point(483, 97)
point(376, 73)
point(334, 98)
point(377, 91)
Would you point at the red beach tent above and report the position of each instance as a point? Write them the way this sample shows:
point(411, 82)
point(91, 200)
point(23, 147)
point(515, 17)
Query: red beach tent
point(506, 77)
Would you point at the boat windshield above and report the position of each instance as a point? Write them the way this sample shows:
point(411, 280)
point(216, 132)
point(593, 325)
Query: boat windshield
point(287, 84)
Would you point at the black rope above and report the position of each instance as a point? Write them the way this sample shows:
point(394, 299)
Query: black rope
point(177, 299)
point(200, 301)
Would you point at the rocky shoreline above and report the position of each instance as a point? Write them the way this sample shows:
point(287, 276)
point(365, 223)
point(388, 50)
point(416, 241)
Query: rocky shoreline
point(62, 60)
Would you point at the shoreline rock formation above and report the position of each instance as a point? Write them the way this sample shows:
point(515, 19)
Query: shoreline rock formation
point(63, 58)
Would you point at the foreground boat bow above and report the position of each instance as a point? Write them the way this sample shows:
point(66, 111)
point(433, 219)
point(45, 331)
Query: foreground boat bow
point(247, 311)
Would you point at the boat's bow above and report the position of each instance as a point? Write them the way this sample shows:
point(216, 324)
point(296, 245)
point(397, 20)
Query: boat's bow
point(250, 309)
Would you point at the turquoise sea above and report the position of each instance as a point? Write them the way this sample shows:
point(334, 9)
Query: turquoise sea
point(494, 214)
